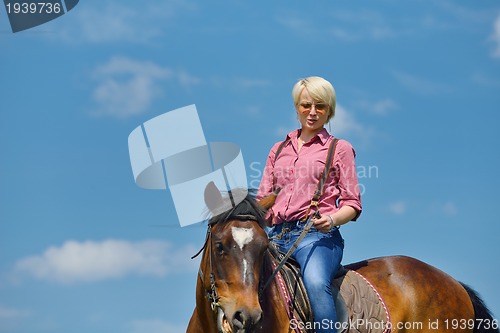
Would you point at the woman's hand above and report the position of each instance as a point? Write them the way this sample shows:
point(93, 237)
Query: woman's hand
point(323, 223)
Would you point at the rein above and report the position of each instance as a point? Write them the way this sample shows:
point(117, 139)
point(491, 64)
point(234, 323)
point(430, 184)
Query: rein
point(283, 261)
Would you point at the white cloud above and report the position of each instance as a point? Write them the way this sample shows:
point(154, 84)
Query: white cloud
point(109, 259)
point(380, 108)
point(187, 80)
point(420, 85)
point(253, 111)
point(462, 14)
point(344, 122)
point(155, 326)
point(127, 87)
point(449, 208)
point(487, 80)
point(346, 25)
point(398, 207)
point(384, 106)
point(364, 24)
point(111, 21)
point(346, 125)
point(496, 37)
point(343, 34)
point(11, 313)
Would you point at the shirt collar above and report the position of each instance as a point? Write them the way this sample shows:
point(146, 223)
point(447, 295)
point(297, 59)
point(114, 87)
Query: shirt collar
point(323, 135)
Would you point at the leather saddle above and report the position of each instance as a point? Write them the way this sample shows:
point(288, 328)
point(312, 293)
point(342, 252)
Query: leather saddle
point(360, 308)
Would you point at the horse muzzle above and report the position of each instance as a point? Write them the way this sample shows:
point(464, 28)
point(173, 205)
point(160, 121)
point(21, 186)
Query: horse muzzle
point(242, 321)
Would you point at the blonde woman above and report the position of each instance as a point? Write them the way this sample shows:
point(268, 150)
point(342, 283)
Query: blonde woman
point(296, 165)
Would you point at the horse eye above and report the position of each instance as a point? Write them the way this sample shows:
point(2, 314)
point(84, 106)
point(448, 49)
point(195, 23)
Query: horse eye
point(219, 248)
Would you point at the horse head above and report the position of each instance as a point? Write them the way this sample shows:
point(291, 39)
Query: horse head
point(232, 264)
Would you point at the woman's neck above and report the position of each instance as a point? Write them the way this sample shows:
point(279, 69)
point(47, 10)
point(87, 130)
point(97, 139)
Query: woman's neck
point(306, 135)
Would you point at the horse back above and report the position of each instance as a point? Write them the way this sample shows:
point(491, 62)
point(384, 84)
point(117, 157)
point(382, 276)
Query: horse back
point(419, 297)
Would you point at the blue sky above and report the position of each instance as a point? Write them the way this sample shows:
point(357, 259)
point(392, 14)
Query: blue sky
point(83, 249)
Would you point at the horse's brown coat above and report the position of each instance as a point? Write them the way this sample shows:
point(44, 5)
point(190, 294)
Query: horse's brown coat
point(418, 296)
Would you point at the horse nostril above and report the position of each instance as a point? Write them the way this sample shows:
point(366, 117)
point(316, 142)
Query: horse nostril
point(240, 319)
point(245, 320)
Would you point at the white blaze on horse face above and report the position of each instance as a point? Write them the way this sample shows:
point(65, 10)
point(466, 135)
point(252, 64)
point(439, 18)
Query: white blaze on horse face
point(242, 236)
point(245, 267)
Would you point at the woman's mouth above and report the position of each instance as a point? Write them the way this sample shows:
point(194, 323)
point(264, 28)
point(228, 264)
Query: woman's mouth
point(311, 121)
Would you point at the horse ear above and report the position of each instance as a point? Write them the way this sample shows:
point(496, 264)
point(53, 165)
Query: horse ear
point(268, 201)
point(213, 197)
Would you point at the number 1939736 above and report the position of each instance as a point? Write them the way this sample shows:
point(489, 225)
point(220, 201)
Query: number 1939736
point(33, 8)
point(455, 324)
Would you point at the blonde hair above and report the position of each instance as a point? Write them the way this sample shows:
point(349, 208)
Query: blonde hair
point(319, 89)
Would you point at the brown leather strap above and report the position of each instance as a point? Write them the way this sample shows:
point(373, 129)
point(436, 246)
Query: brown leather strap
point(278, 152)
point(280, 148)
point(321, 184)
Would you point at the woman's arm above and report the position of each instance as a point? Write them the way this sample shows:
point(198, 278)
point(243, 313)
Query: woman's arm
point(349, 201)
point(342, 216)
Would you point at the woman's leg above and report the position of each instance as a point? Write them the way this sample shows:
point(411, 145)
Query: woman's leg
point(319, 256)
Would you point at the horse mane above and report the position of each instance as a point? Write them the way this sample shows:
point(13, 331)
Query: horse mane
point(247, 209)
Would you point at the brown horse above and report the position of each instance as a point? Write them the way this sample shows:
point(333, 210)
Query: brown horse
point(419, 297)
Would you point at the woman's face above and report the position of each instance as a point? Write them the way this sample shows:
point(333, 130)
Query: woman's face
point(312, 114)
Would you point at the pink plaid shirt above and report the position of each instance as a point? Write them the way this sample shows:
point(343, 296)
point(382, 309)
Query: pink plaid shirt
point(297, 174)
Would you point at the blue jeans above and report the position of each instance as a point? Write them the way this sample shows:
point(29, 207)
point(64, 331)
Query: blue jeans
point(319, 256)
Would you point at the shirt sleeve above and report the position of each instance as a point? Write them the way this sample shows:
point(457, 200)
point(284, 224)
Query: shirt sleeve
point(348, 180)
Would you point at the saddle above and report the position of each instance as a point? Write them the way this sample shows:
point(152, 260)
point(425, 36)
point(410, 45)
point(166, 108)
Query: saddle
point(360, 308)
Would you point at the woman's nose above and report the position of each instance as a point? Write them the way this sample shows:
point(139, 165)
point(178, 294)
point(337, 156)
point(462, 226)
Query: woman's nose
point(313, 110)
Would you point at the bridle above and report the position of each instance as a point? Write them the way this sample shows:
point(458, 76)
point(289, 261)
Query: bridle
point(211, 293)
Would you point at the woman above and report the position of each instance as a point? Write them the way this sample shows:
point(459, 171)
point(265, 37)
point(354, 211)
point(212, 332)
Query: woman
point(296, 166)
